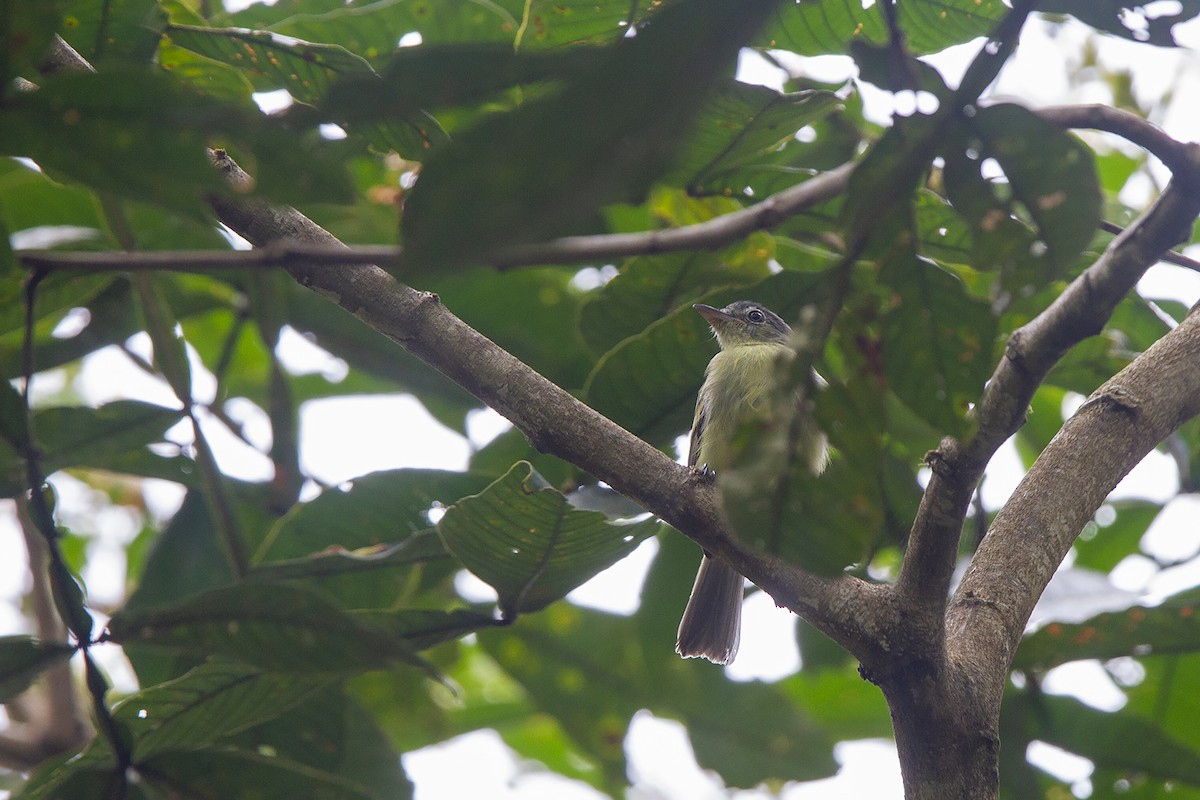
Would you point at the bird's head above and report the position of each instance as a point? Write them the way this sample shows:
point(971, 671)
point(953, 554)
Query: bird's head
point(744, 322)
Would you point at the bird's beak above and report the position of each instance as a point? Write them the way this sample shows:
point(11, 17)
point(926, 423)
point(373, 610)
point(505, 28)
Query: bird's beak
point(713, 316)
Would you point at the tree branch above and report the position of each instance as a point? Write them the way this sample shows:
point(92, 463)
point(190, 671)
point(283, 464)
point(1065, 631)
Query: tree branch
point(553, 420)
point(1079, 312)
point(1120, 423)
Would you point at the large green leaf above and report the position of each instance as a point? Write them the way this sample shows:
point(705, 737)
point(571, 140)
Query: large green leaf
point(739, 122)
point(23, 658)
point(26, 30)
point(114, 31)
point(230, 726)
point(305, 70)
point(1169, 628)
point(583, 668)
point(1049, 173)
point(372, 29)
point(828, 26)
point(937, 344)
point(69, 436)
point(649, 288)
point(381, 508)
point(527, 169)
point(525, 540)
point(142, 135)
point(274, 626)
point(1122, 741)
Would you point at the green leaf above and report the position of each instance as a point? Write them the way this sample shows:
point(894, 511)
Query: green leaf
point(274, 626)
point(229, 726)
point(1050, 174)
point(381, 508)
point(208, 703)
point(584, 669)
point(828, 26)
point(775, 502)
point(739, 122)
point(341, 755)
point(69, 436)
point(373, 30)
point(533, 153)
point(1101, 548)
point(1120, 740)
point(142, 135)
point(1169, 628)
point(26, 30)
point(526, 541)
point(306, 70)
point(650, 287)
point(114, 31)
point(937, 344)
point(303, 68)
point(23, 658)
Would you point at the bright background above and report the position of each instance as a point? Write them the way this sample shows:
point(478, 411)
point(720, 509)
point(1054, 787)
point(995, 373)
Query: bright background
point(347, 437)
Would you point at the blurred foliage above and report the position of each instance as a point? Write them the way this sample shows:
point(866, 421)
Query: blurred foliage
point(463, 127)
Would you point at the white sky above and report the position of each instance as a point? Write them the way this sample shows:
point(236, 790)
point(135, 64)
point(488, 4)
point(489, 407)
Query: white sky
point(346, 437)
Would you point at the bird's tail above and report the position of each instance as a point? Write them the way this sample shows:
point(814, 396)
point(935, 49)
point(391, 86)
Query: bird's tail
point(712, 621)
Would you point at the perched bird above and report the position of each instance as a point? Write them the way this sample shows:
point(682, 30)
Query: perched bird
point(737, 388)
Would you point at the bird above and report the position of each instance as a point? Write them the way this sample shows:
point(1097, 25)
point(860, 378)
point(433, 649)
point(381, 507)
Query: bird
point(738, 387)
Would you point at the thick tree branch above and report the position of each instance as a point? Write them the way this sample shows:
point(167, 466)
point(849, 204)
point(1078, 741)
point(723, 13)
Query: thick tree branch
point(1120, 423)
point(1179, 157)
point(1079, 312)
point(553, 420)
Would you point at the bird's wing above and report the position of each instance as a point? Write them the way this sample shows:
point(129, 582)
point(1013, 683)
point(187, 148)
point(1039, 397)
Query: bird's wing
point(697, 431)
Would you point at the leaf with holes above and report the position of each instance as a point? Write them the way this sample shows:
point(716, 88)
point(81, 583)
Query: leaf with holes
point(525, 540)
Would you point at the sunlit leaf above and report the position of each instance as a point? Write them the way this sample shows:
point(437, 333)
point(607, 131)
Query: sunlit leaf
point(526, 541)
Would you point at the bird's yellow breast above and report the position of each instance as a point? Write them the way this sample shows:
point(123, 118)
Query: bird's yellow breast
point(737, 387)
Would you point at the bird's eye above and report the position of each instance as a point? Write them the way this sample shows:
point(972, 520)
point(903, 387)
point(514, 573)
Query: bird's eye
point(756, 316)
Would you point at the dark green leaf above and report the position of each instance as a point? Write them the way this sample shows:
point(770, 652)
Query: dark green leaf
point(649, 288)
point(937, 344)
point(141, 135)
point(526, 541)
point(275, 626)
point(23, 658)
point(1049, 172)
point(208, 703)
point(381, 508)
point(1120, 740)
point(26, 30)
point(532, 153)
point(775, 502)
point(93, 437)
point(739, 122)
point(1103, 547)
point(114, 31)
point(373, 31)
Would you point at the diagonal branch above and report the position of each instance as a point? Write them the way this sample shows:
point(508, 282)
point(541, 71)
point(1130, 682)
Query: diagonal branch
point(553, 420)
point(1119, 424)
point(1079, 312)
